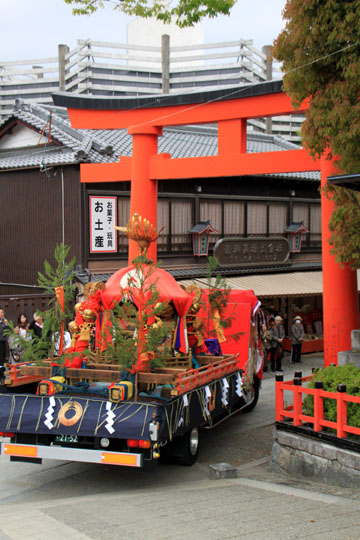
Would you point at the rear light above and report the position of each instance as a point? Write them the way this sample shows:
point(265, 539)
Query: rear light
point(132, 443)
point(7, 434)
point(144, 444)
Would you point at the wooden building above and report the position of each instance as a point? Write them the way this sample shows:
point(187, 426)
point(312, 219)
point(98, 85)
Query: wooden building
point(43, 201)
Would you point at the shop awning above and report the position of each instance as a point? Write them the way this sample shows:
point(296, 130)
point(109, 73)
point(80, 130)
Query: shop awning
point(269, 285)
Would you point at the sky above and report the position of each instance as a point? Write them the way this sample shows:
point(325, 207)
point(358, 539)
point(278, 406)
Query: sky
point(32, 29)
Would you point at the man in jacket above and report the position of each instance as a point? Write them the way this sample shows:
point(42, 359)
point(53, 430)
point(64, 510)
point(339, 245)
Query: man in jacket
point(297, 337)
point(278, 334)
point(3, 326)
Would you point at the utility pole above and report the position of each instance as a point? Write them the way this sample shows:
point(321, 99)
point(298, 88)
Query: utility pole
point(62, 52)
point(165, 63)
point(267, 50)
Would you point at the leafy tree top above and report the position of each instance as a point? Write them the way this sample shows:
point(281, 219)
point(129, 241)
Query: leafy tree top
point(184, 13)
point(320, 51)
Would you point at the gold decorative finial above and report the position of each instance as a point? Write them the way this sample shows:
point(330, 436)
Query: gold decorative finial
point(141, 231)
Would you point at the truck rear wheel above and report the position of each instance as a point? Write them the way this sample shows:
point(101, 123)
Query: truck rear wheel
point(189, 445)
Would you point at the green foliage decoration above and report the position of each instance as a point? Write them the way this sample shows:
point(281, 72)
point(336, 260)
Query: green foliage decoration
point(184, 12)
point(331, 376)
point(219, 296)
point(37, 349)
point(127, 320)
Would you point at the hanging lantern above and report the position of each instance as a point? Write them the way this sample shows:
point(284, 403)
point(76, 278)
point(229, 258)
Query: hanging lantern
point(200, 235)
point(295, 232)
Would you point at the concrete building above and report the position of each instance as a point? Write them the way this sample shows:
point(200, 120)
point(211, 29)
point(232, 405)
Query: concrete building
point(145, 65)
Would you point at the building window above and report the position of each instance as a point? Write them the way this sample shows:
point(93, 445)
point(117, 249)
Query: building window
point(315, 225)
point(182, 217)
point(212, 211)
point(257, 219)
point(234, 218)
point(301, 213)
point(278, 216)
point(163, 220)
point(123, 218)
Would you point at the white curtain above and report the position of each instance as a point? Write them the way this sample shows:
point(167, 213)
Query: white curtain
point(234, 217)
point(211, 211)
point(301, 213)
point(181, 223)
point(256, 218)
point(277, 218)
point(163, 221)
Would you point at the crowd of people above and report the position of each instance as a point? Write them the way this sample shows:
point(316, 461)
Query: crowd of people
point(272, 337)
point(11, 349)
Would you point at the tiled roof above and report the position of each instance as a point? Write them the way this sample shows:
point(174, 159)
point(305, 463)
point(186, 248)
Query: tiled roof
point(100, 146)
point(196, 272)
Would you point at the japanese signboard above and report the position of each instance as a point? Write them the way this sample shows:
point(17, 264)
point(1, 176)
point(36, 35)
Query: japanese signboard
point(251, 251)
point(103, 236)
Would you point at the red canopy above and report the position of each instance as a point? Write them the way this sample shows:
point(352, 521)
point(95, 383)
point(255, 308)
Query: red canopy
point(166, 285)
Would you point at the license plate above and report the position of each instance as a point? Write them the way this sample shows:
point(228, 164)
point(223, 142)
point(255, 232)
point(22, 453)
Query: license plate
point(67, 439)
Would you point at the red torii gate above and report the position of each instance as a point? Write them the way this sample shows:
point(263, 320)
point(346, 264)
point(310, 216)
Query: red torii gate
point(144, 117)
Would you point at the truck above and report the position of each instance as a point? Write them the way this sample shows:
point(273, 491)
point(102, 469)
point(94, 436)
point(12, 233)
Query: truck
point(82, 406)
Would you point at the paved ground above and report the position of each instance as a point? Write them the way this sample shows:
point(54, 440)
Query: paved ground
point(81, 501)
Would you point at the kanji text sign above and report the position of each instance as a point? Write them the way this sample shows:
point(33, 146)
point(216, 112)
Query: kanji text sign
point(103, 236)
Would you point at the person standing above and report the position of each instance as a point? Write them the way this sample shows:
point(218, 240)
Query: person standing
point(37, 325)
point(23, 325)
point(3, 326)
point(277, 352)
point(297, 337)
point(266, 337)
point(15, 349)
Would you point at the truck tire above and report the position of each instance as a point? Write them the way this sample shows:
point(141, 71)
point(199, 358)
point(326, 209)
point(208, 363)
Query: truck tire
point(189, 444)
point(256, 392)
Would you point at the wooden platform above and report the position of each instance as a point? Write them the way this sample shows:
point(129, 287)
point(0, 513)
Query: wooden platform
point(182, 380)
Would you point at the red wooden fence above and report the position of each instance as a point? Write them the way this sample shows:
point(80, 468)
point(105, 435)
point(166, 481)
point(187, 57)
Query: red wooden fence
point(295, 413)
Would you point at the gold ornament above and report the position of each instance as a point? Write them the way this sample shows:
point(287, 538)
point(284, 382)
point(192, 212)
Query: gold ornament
point(85, 331)
point(141, 231)
point(73, 327)
point(88, 315)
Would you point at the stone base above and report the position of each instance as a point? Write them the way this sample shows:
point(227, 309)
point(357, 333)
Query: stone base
point(355, 340)
point(303, 457)
point(349, 357)
point(222, 470)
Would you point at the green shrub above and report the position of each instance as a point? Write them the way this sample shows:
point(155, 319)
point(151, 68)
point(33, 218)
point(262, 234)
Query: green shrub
point(331, 377)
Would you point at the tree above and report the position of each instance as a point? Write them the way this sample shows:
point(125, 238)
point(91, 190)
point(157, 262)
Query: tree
point(184, 13)
point(345, 225)
point(320, 51)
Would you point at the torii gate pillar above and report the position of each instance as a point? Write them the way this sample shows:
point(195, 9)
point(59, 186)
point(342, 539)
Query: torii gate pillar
point(143, 197)
point(340, 296)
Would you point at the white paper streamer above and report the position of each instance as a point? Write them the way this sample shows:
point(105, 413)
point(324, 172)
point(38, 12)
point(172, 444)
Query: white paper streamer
point(109, 418)
point(207, 396)
point(49, 413)
point(224, 399)
point(239, 385)
point(185, 404)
